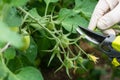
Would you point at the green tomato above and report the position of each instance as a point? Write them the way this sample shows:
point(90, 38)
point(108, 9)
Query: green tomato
point(26, 41)
point(64, 41)
point(50, 25)
point(79, 61)
point(68, 63)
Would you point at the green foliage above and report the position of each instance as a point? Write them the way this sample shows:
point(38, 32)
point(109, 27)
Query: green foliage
point(51, 26)
point(45, 32)
point(27, 73)
point(22, 74)
point(10, 53)
point(31, 52)
point(79, 15)
point(68, 23)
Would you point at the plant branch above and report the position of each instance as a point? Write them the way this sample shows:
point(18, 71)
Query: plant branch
point(80, 48)
point(21, 9)
point(46, 9)
point(5, 47)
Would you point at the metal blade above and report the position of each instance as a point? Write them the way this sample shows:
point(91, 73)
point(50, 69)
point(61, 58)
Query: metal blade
point(90, 35)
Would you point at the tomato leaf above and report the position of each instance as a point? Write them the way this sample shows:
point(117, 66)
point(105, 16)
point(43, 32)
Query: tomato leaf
point(71, 23)
point(82, 7)
point(78, 16)
point(65, 13)
point(26, 73)
point(31, 52)
point(29, 73)
point(34, 13)
point(14, 64)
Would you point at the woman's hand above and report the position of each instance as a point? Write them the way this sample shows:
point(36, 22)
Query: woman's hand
point(105, 15)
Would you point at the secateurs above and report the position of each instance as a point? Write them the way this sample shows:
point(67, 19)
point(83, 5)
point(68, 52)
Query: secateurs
point(110, 45)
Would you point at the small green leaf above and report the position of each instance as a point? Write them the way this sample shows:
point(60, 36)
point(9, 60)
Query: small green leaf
point(29, 73)
point(9, 53)
point(49, 1)
point(34, 13)
point(71, 23)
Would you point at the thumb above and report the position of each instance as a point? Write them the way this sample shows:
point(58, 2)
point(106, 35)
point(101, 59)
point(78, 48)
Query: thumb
point(109, 19)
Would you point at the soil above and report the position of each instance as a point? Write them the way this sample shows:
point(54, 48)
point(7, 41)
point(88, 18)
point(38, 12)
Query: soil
point(60, 75)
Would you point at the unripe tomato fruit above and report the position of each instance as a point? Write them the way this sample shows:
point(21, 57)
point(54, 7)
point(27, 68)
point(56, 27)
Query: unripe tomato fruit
point(50, 25)
point(26, 41)
point(64, 41)
point(68, 63)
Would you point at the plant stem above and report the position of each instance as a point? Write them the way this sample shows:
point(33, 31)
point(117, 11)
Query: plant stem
point(46, 9)
point(80, 48)
point(70, 51)
point(24, 19)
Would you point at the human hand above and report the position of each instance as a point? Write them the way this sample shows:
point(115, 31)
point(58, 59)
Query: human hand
point(105, 15)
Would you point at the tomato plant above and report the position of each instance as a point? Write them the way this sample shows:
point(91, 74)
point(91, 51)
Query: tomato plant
point(33, 29)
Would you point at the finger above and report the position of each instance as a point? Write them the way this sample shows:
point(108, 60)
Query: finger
point(110, 18)
point(109, 32)
point(112, 3)
point(101, 8)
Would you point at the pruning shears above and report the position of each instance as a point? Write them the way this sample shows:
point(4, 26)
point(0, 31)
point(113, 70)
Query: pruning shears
point(110, 44)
